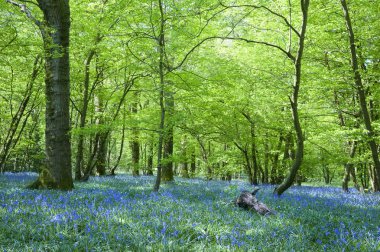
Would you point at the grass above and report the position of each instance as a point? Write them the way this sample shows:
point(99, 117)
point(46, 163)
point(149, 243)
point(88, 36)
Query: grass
point(123, 214)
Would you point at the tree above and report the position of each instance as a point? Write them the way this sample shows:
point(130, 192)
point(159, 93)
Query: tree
point(15, 130)
point(55, 31)
point(362, 98)
point(161, 49)
point(294, 103)
point(135, 142)
point(297, 72)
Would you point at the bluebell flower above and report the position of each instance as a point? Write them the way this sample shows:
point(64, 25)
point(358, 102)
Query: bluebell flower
point(175, 233)
point(337, 231)
point(164, 227)
point(58, 218)
point(88, 228)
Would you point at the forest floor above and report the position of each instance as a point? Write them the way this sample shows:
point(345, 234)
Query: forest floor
point(122, 213)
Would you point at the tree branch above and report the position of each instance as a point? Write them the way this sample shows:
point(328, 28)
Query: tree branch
point(75, 106)
point(208, 21)
point(267, 9)
point(26, 10)
point(189, 52)
point(288, 54)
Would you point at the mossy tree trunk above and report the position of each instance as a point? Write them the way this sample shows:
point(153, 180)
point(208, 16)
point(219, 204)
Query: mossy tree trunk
point(135, 149)
point(55, 31)
point(57, 81)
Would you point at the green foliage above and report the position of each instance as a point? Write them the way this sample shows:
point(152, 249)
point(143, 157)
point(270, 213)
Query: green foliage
point(218, 79)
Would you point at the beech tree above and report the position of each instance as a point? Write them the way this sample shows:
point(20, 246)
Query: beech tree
point(294, 102)
point(362, 98)
point(296, 61)
point(55, 31)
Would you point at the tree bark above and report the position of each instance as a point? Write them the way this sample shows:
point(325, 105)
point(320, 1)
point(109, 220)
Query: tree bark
point(101, 157)
point(362, 98)
point(167, 166)
point(135, 149)
point(55, 32)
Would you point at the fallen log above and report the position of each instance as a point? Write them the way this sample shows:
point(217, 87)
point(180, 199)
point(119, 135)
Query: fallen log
point(248, 201)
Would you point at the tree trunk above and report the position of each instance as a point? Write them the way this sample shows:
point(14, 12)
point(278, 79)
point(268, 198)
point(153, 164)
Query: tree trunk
point(274, 179)
point(294, 105)
point(193, 164)
point(362, 99)
point(326, 174)
point(101, 157)
point(184, 164)
point(205, 154)
point(364, 178)
point(161, 47)
point(135, 149)
point(93, 149)
point(255, 165)
point(135, 143)
point(121, 147)
point(36, 161)
point(83, 115)
point(265, 178)
point(58, 173)
point(348, 167)
point(252, 163)
point(102, 137)
point(150, 159)
point(167, 166)
point(248, 168)
point(10, 139)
